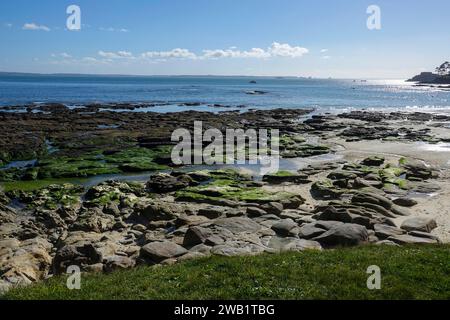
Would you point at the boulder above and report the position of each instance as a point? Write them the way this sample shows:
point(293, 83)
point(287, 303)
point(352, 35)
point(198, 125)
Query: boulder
point(213, 212)
point(383, 231)
point(344, 235)
point(423, 224)
point(327, 225)
point(273, 208)
point(164, 183)
point(219, 231)
point(286, 178)
point(156, 211)
point(118, 263)
point(159, 251)
point(372, 198)
point(332, 214)
point(24, 262)
point(309, 231)
point(284, 227)
point(374, 161)
point(81, 256)
point(253, 212)
point(405, 202)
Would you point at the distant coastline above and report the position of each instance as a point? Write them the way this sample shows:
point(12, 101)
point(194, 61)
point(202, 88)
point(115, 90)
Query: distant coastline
point(442, 76)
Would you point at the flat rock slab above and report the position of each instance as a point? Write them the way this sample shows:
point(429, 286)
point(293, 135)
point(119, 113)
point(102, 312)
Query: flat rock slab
point(383, 231)
point(281, 244)
point(423, 224)
point(159, 251)
point(408, 239)
point(309, 231)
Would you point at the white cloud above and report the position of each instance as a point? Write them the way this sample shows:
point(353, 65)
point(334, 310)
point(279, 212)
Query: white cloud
point(286, 50)
point(177, 53)
point(8, 25)
point(275, 50)
point(326, 57)
point(34, 26)
point(64, 55)
point(105, 57)
point(232, 53)
point(323, 50)
point(115, 55)
point(111, 29)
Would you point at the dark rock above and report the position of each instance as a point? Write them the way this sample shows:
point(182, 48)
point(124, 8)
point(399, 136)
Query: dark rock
point(344, 235)
point(405, 202)
point(292, 178)
point(272, 208)
point(374, 161)
point(373, 199)
point(253, 212)
point(331, 214)
point(164, 183)
point(212, 212)
point(81, 256)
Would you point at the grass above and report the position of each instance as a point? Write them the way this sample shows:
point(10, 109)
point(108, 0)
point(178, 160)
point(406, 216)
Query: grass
point(407, 273)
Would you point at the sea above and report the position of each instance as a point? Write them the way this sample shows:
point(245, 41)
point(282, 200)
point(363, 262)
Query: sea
point(213, 93)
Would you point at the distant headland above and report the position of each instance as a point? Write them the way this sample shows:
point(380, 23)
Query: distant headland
point(441, 75)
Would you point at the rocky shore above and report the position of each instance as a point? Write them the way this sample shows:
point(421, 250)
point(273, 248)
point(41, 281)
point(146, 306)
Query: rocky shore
point(384, 189)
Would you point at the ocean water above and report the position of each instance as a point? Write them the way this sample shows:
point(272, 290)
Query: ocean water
point(326, 95)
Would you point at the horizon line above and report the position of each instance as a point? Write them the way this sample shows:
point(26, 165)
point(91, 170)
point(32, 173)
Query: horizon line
point(188, 75)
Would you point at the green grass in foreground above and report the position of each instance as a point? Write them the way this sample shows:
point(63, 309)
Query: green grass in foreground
point(407, 273)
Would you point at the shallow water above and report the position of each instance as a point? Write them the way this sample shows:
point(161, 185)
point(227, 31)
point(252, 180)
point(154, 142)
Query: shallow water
point(437, 147)
point(19, 164)
point(292, 165)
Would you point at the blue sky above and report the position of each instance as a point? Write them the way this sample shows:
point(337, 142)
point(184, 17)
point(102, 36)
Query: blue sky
point(319, 38)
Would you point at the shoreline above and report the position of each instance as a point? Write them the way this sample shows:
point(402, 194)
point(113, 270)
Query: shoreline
point(346, 180)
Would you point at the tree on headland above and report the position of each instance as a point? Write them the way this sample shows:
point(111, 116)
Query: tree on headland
point(443, 69)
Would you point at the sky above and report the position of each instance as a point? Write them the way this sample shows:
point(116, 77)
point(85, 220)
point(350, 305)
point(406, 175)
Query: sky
point(317, 38)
